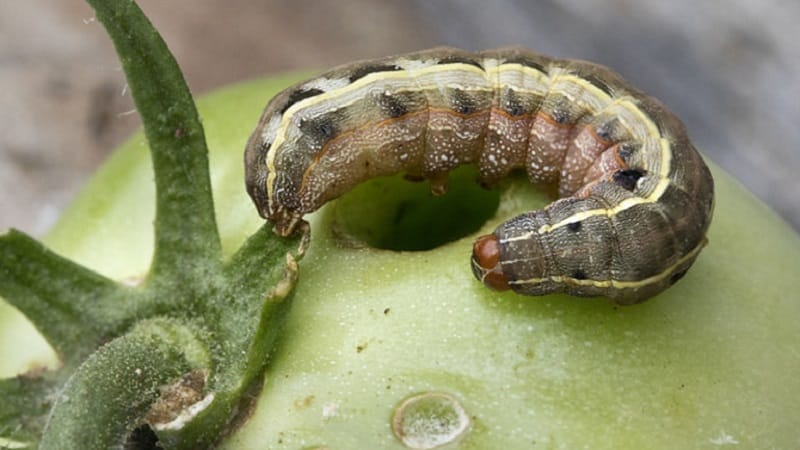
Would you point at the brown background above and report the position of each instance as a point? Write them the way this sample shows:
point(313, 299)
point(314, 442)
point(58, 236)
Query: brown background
point(730, 69)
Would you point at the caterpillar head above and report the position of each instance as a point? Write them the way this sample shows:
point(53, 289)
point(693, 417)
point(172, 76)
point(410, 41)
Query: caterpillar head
point(486, 263)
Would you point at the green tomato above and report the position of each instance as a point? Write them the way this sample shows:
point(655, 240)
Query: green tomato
point(388, 348)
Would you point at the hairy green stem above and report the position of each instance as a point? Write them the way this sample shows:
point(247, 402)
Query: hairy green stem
point(24, 406)
point(59, 296)
point(110, 393)
point(195, 318)
point(187, 242)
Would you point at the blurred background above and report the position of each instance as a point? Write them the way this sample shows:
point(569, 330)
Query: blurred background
point(730, 69)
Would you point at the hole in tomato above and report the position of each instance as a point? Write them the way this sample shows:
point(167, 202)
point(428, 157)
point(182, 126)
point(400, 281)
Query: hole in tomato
point(392, 213)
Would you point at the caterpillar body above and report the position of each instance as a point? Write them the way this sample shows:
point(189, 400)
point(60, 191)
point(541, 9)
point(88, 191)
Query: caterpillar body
point(636, 198)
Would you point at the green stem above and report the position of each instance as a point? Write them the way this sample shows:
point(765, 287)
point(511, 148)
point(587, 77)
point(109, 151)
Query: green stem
point(187, 244)
point(197, 317)
point(250, 312)
point(257, 280)
point(24, 406)
point(110, 393)
point(60, 297)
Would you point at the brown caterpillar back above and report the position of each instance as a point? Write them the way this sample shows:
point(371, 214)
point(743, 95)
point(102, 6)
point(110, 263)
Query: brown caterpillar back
point(636, 201)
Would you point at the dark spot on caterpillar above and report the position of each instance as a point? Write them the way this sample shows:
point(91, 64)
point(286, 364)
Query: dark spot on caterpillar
point(627, 178)
point(597, 82)
point(454, 59)
point(579, 274)
point(603, 131)
point(462, 102)
point(366, 69)
point(562, 110)
point(299, 95)
point(263, 149)
point(393, 105)
point(560, 115)
point(677, 276)
point(322, 128)
point(625, 151)
point(574, 226)
point(527, 62)
point(512, 103)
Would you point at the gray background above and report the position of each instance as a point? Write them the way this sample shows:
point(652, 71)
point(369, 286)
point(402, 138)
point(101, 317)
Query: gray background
point(730, 69)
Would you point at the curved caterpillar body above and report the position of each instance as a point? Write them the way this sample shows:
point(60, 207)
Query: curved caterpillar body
point(636, 197)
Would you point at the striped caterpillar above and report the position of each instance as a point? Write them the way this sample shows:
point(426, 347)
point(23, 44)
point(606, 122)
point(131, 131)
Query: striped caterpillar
point(635, 201)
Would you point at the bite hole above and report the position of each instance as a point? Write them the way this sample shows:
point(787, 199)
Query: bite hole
point(392, 213)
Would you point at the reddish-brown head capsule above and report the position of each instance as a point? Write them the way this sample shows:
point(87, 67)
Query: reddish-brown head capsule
point(486, 263)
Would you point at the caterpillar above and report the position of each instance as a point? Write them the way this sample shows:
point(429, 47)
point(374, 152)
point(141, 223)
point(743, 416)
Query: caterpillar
point(635, 196)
